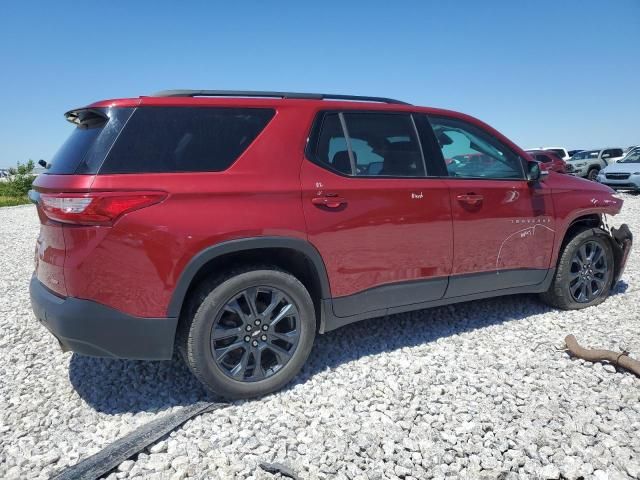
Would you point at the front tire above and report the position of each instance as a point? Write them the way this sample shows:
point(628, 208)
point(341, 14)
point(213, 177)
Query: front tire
point(593, 174)
point(250, 334)
point(585, 272)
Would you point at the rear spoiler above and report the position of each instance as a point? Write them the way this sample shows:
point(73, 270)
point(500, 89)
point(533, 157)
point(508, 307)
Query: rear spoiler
point(86, 117)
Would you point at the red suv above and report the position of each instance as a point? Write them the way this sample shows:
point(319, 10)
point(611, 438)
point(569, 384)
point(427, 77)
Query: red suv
point(237, 225)
point(548, 160)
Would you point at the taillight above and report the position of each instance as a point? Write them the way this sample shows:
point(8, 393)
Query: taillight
point(95, 208)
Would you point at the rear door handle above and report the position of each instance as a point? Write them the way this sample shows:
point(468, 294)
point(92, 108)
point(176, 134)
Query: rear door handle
point(329, 201)
point(470, 199)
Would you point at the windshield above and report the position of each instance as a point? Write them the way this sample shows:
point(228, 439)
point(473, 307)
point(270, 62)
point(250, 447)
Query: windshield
point(585, 155)
point(632, 157)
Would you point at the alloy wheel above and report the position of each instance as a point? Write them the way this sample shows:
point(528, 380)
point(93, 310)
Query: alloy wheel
point(588, 272)
point(255, 334)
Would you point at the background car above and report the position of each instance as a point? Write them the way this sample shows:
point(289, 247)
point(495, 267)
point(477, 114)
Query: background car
point(623, 175)
point(548, 161)
point(573, 152)
point(559, 152)
point(587, 164)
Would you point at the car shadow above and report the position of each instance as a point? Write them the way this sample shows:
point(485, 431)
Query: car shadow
point(119, 386)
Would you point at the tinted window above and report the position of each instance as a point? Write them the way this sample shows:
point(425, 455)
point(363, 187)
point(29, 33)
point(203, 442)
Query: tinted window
point(378, 144)
point(470, 152)
point(332, 145)
point(172, 139)
point(384, 145)
point(613, 152)
point(556, 151)
point(84, 150)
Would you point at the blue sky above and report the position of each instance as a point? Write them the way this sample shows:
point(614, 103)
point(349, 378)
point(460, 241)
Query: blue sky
point(543, 73)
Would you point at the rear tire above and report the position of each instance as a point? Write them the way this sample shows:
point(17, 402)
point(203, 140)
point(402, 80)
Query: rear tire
point(593, 174)
point(248, 332)
point(585, 272)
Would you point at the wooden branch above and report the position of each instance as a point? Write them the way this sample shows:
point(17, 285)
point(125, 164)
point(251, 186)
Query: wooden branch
point(621, 359)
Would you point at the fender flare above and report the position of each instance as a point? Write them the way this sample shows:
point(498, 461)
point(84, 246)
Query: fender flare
point(251, 243)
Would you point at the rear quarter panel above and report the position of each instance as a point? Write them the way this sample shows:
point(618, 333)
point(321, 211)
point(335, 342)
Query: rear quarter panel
point(135, 264)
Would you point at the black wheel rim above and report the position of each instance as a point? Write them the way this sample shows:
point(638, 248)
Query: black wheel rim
point(255, 334)
point(588, 272)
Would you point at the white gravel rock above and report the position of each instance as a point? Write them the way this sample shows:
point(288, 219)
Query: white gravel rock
point(474, 390)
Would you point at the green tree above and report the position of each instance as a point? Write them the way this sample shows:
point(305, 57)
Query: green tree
point(20, 180)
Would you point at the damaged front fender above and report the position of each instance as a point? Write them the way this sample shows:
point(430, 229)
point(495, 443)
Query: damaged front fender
point(622, 240)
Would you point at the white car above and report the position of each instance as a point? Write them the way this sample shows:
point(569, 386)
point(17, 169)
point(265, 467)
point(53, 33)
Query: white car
point(588, 163)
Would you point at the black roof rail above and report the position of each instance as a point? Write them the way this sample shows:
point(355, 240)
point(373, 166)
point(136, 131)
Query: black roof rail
point(252, 93)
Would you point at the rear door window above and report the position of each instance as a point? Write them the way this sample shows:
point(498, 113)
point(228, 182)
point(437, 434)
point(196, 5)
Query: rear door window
point(384, 145)
point(613, 152)
point(177, 139)
point(557, 151)
point(370, 144)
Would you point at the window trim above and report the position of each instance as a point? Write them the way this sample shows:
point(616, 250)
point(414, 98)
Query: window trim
point(313, 139)
point(347, 140)
point(502, 144)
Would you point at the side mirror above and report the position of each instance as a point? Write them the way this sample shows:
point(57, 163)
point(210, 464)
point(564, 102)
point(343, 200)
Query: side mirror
point(535, 174)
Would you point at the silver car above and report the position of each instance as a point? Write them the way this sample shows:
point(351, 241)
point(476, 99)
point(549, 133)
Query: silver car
point(589, 163)
point(624, 174)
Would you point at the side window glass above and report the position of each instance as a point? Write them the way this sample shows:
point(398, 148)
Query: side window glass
point(384, 145)
point(332, 145)
point(471, 152)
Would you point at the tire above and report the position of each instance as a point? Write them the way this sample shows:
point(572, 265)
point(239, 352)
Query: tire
point(565, 291)
point(223, 302)
point(593, 173)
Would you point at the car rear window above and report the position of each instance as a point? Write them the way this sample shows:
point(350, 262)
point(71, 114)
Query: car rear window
point(86, 147)
point(556, 151)
point(178, 139)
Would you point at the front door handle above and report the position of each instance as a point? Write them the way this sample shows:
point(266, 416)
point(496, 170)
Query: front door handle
point(470, 199)
point(329, 201)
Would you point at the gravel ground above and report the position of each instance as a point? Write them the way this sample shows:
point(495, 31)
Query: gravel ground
point(475, 390)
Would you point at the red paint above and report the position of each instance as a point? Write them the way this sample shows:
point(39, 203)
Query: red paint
point(382, 234)
point(369, 232)
point(548, 161)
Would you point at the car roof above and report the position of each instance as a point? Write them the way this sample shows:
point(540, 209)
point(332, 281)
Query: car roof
point(228, 98)
point(313, 102)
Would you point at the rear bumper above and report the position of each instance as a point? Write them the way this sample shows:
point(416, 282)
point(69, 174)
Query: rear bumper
point(90, 328)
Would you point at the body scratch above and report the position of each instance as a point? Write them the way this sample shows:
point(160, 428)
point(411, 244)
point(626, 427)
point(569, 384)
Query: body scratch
point(525, 232)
